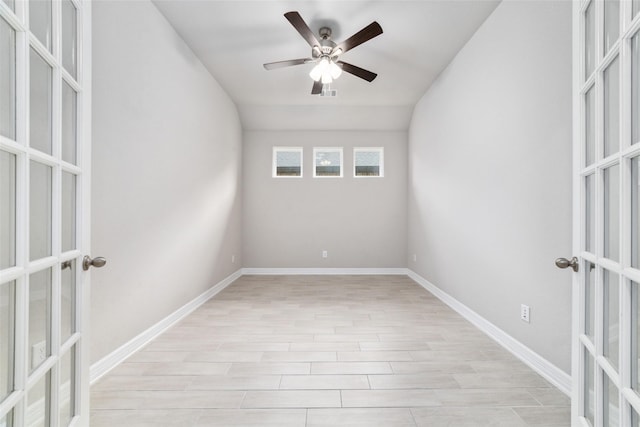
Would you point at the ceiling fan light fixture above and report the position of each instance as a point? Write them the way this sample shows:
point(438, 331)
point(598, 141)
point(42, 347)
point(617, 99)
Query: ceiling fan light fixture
point(319, 70)
point(335, 70)
point(326, 71)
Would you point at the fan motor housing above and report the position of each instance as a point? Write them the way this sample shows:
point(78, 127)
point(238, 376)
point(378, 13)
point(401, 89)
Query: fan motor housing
point(326, 44)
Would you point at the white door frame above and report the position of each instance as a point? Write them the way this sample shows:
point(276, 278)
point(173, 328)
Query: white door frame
point(85, 120)
point(24, 377)
point(605, 370)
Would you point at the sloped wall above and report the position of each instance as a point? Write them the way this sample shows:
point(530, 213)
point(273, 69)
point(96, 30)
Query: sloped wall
point(490, 175)
point(166, 174)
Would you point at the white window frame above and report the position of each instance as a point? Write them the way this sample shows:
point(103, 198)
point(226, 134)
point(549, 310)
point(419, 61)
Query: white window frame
point(317, 150)
point(365, 150)
point(274, 161)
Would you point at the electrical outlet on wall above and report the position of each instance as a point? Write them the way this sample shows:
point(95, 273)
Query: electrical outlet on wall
point(524, 313)
point(233, 259)
point(38, 354)
point(415, 257)
point(325, 254)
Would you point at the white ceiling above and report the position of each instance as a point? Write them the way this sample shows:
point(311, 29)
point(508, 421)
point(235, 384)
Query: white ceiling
point(234, 38)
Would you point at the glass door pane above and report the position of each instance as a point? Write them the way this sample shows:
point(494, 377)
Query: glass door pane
point(611, 23)
point(68, 211)
point(589, 390)
point(67, 387)
point(612, 108)
point(590, 126)
point(39, 318)
point(635, 87)
point(610, 404)
point(69, 123)
point(12, 5)
point(7, 337)
point(7, 210)
point(7, 80)
point(635, 337)
point(40, 21)
point(590, 39)
point(590, 300)
point(635, 212)
point(68, 300)
point(39, 403)
point(7, 420)
point(611, 331)
point(40, 117)
point(69, 37)
point(612, 213)
point(590, 207)
point(40, 210)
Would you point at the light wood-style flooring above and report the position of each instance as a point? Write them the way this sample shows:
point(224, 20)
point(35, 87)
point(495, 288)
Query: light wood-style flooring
point(325, 351)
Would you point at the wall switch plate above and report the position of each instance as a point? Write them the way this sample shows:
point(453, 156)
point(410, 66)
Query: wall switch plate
point(325, 254)
point(38, 354)
point(233, 259)
point(415, 257)
point(524, 313)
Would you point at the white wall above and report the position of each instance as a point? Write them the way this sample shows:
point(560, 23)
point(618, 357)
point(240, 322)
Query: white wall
point(490, 175)
point(288, 222)
point(166, 173)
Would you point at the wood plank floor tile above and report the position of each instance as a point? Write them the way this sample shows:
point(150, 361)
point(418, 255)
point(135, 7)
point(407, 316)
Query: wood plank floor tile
point(360, 417)
point(292, 399)
point(145, 418)
point(228, 382)
point(324, 382)
point(302, 351)
point(374, 356)
point(432, 380)
point(347, 368)
point(467, 417)
point(389, 398)
point(252, 418)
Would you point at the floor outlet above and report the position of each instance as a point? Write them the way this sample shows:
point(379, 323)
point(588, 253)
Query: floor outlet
point(524, 313)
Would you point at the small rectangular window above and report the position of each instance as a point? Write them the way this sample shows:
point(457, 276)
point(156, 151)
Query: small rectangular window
point(287, 162)
point(327, 162)
point(368, 162)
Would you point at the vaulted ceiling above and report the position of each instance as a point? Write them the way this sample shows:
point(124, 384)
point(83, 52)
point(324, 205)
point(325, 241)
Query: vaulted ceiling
point(234, 38)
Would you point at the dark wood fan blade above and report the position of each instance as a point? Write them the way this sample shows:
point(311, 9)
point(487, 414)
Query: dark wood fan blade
point(289, 63)
point(302, 27)
point(357, 71)
point(367, 33)
point(317, 88)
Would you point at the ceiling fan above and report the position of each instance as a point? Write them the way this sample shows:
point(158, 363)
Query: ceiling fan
point(325, 53)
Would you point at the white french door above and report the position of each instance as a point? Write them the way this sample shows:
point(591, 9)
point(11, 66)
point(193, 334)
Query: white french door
point(606, 356)
point(44, 195)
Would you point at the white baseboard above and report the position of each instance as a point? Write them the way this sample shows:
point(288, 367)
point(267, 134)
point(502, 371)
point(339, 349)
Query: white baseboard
point(113, 359)
point(320, 271)
point(542, 366)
